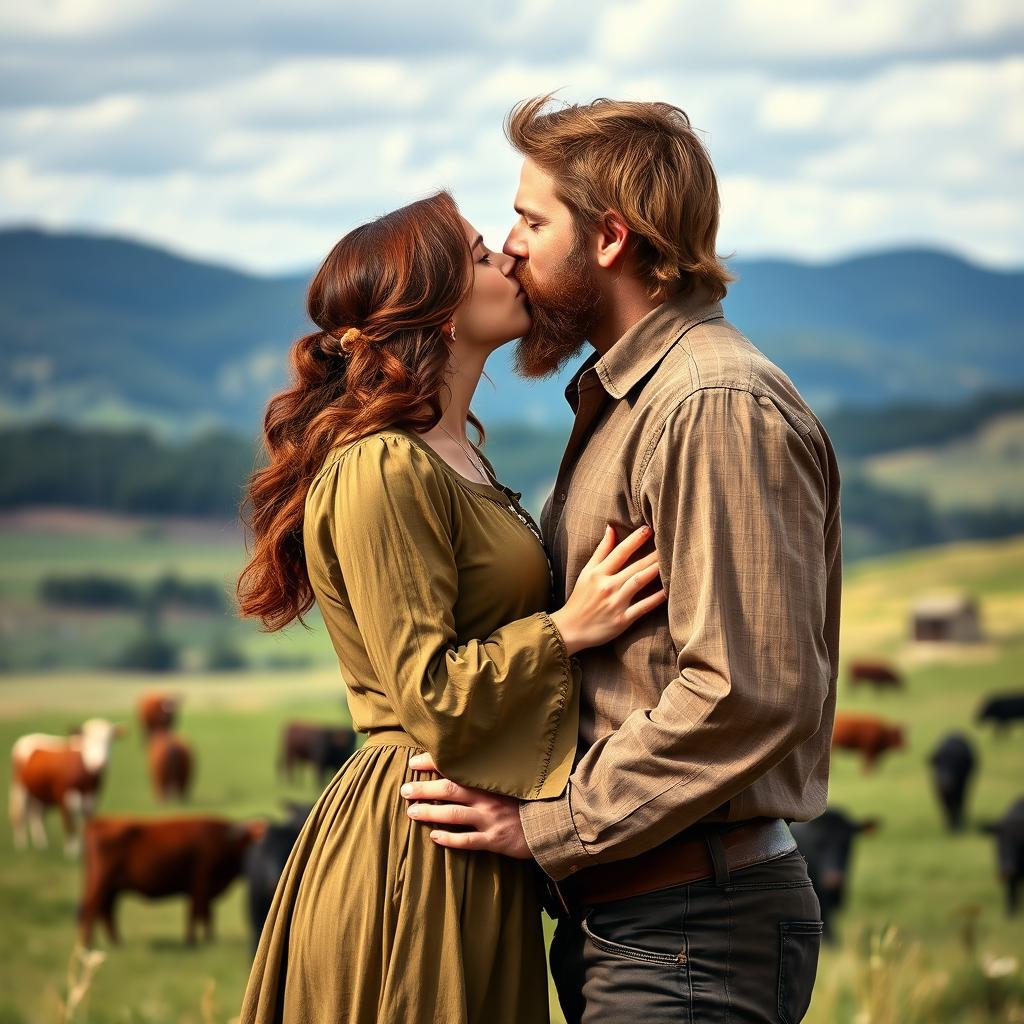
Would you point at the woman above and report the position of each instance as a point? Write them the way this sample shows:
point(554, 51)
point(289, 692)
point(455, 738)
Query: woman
point(434, 587)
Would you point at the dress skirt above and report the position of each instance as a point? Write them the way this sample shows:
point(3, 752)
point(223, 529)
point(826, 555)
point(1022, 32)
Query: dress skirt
point(374, 923)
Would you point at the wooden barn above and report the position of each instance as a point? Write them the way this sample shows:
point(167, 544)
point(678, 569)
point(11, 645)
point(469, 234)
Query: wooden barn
point(949, 618)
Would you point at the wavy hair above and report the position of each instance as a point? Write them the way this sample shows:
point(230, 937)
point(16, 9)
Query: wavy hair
point(398, 280)
point(645, 162)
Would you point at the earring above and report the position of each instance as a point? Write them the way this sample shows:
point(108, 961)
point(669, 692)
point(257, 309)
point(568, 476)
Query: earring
point(451, 328)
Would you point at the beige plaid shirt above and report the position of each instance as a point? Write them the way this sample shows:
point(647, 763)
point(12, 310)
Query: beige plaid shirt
point(718, 705)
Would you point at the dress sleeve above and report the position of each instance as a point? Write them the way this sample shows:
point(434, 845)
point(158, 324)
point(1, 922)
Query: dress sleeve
point(499, 712)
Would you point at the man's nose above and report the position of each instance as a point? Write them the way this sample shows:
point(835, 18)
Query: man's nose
point(513, 246)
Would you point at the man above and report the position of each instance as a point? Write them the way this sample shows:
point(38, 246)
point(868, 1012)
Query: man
point(706, 726)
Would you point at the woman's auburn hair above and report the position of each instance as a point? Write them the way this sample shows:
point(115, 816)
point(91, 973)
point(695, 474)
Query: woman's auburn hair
point(398, 279)
point(642, 161)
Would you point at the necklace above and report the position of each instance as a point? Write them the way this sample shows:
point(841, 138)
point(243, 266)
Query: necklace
point(528, 522)
point(473, 460)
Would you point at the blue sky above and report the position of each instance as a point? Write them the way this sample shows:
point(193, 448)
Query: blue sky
point(256, 135)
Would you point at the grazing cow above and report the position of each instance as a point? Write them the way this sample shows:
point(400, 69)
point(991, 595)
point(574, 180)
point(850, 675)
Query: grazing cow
point(1001, 710)
point(58, 771)
point(198, 857)
point(952, 763)
point(325, 747)
point(1009, 833)
point(879, 673)
point(170, 766)
point(157, 713)
point(265, 861)
point(868, 734)
point(826, 843)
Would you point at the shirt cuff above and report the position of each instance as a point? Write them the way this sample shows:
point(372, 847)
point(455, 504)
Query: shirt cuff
point(552, 836)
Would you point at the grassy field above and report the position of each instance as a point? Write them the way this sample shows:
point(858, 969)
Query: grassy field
point(978, 471)
point(923, 939)
point(139, 550)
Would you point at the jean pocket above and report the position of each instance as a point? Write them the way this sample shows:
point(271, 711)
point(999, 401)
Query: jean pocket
point(629, 952)
point(799, 944)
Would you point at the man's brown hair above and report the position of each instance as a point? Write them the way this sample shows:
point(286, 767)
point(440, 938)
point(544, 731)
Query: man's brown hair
point(644, 162)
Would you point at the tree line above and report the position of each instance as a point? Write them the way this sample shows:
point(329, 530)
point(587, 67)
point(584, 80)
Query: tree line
point(133, 471)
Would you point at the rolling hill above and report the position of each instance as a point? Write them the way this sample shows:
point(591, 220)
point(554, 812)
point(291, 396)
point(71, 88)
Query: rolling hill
point(105, 330)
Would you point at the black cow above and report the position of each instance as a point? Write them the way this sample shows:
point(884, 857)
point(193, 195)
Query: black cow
point(330, 749)
point(1009, 833)
point(1002, 709)
point(953, 764)
point(825, 843)
point(325, 747)
point(264, 862)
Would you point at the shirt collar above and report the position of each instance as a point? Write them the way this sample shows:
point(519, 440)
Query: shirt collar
point(645, 344)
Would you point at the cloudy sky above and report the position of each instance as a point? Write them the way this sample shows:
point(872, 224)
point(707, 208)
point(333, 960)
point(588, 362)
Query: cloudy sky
point(256, 135)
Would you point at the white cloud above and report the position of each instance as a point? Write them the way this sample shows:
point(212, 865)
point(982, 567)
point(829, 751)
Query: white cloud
point(811, 31)
point(257, 136)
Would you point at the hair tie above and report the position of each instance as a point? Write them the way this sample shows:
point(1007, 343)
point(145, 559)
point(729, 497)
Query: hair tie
point(352, 337)
point(335, 344)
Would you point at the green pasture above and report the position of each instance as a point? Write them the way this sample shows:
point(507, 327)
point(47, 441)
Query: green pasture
point(37, 635)
point(978, 471)
point(924, 938)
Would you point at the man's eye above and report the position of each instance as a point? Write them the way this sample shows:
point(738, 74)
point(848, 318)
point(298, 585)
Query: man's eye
point(532, 227)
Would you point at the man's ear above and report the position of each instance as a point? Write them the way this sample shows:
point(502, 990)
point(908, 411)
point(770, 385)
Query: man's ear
point(612, 239)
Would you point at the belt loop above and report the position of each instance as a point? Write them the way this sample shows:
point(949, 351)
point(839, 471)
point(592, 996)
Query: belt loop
point(717, 852)
point(562, 901)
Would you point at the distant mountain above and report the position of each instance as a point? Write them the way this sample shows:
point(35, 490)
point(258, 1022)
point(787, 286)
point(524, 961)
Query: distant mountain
point(106, 330)
point(911, 323)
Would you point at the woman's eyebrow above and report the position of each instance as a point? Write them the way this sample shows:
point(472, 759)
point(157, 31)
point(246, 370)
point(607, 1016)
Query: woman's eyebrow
point(479, 241)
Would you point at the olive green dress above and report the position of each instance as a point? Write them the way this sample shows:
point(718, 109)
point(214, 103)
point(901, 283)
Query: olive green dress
point(435, 595)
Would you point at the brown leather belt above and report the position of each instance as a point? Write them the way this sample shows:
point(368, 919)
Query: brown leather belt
point(686, 857)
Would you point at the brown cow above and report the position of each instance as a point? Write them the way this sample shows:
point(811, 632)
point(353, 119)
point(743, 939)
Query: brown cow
point(198, 857)
point(58, 771)
point(170, 766)
point(879, 673)
point(868, 734)
point(157, 713)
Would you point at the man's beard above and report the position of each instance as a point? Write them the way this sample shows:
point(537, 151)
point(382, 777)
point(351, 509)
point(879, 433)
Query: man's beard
point(564, 313)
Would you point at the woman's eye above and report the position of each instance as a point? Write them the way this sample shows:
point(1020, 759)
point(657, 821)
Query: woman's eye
point(486, 258)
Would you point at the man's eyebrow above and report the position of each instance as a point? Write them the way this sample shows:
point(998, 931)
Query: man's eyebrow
point(522, 210)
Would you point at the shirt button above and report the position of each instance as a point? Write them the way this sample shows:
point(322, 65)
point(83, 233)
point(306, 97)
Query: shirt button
point(561, 495)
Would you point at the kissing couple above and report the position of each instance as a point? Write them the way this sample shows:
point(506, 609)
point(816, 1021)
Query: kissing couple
point(612, 714)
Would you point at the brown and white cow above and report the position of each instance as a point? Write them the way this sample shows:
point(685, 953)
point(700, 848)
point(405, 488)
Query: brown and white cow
point(868, 734)
point(170, 761)
point(58, 771)
point(157, 713)
point(194, 856)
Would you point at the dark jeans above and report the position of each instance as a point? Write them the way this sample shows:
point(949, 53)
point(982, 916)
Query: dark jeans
point(740, 949)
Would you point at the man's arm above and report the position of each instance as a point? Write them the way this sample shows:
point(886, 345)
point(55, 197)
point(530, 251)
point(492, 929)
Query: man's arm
point(737, 501)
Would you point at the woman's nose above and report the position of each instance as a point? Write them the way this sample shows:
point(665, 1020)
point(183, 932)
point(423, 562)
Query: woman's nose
point(508, 265)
